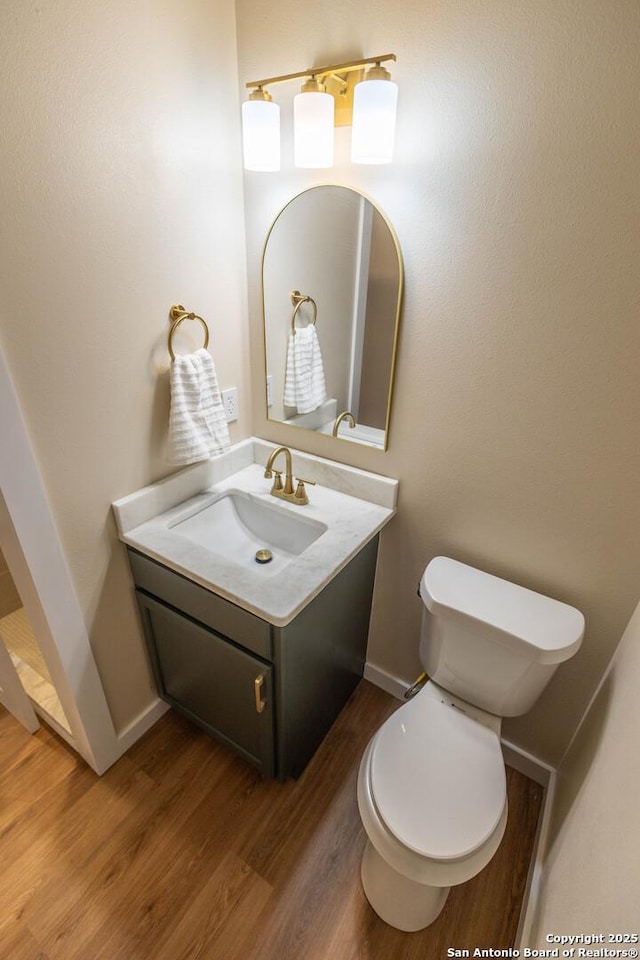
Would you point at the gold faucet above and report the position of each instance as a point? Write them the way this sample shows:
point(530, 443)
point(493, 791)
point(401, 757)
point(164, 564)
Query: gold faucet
point(286, 492)
point(343, 416)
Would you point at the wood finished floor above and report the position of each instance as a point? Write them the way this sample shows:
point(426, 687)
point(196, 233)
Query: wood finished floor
point(183, 852)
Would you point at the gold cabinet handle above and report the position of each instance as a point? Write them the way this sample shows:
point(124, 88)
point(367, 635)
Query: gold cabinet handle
point(257, 688)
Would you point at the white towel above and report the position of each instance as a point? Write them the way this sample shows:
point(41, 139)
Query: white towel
point(197, 424)
point(304, 386)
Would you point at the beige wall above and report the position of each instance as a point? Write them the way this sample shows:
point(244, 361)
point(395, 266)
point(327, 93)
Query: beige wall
point(516, 198)
point(591, 874)
point(121, 194)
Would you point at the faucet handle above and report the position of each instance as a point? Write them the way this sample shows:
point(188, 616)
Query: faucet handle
point(277, 480)
point(300, 495)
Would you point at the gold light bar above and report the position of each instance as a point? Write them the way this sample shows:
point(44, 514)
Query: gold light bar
point(331, 96)
point(322, 71)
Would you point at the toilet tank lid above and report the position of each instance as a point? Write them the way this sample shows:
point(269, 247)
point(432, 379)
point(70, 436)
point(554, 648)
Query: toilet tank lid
point(546, 630)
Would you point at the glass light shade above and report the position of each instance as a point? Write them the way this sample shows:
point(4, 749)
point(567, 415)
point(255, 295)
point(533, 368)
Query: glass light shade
point(374, 121)
point(261, 135)
point(313, 129)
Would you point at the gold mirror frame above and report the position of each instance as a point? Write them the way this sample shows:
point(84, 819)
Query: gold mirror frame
point(294, 300)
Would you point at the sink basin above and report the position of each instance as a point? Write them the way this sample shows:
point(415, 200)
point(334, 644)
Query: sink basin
point(236, 525)
point(207, 522)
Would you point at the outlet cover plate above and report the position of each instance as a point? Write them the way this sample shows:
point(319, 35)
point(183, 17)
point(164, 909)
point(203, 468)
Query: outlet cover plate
point(230, 404)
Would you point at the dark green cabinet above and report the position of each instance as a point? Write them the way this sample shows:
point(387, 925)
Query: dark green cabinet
point(225, 689)
point(271, 693)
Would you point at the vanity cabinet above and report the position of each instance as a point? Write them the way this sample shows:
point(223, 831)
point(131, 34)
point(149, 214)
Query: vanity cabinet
point(211, 680)
point(269, 692)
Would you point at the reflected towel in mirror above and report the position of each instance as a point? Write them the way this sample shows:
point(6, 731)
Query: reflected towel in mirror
point(304, 386)
point(197, 424)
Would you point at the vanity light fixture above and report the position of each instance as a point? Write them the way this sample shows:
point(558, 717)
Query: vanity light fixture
point(337, 95)
point(261, 132)
point(313, 118)
point(374, 117)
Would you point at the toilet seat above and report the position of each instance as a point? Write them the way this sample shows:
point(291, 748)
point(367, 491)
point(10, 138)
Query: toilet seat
point(437, 778)
point(422, 870)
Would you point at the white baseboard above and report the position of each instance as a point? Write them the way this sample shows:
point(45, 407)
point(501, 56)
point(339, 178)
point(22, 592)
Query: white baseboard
point(62, 732)
point(526, 763)
point(545, 775)
point(535, 878)
point(143, 722)
point(386, 681)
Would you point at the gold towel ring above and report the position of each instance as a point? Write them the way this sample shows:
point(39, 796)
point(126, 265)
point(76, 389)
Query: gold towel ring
point(298, 299)
point(178, 314)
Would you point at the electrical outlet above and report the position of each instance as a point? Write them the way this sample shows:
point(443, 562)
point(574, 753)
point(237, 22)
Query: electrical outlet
point(230, 404)
point(269, 390)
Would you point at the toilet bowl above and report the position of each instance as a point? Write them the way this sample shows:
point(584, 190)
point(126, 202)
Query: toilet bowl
point(432, 784)
point(432, 798)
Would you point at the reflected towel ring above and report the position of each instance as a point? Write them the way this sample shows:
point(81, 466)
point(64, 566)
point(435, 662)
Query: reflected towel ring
point(178, 314)
point(298, 299)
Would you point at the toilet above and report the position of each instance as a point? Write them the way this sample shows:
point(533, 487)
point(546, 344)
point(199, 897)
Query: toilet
point(432, 785)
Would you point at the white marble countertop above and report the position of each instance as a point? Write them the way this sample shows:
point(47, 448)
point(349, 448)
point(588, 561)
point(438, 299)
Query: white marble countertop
point(353, 504)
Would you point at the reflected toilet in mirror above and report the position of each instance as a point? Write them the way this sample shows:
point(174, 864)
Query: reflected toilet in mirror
point(332, 283)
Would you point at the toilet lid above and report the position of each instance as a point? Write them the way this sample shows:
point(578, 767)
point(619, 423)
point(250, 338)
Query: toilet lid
point(438, 779)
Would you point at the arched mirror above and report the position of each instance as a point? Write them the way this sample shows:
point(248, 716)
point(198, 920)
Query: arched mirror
point(332, 290)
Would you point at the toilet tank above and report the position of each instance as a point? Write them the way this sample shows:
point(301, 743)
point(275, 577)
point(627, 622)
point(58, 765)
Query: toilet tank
point(489, 641)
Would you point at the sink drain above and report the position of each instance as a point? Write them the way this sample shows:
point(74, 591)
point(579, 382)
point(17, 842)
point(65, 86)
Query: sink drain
point(264, 556)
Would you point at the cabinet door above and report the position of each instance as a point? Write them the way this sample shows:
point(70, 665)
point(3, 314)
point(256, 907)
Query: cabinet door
point(222, 687)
